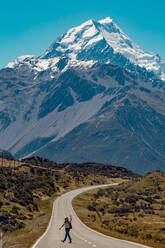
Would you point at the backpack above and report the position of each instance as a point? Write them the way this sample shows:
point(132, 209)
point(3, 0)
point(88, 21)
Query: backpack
point(70, 225)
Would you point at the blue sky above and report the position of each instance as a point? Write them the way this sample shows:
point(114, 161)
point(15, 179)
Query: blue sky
point(29, 27)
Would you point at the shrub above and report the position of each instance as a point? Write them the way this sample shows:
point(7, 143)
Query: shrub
point(133, 231)
point(91, 208)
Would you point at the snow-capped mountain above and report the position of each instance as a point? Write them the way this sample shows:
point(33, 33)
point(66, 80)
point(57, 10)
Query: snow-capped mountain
point(101, 41)
point(94, 95)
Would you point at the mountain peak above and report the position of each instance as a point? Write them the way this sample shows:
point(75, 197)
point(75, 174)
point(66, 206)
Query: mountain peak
point(106, 20)
point(79, 100)
point(100, 41)
point(104, 41)
point(89, 22)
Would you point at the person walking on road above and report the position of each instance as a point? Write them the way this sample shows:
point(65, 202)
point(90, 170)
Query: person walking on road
point(68, 227)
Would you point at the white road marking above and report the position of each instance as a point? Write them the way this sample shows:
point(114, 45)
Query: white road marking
point(63, 207)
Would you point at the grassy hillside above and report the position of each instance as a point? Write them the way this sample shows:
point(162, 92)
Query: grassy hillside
point(134, 210)
point(28, 188)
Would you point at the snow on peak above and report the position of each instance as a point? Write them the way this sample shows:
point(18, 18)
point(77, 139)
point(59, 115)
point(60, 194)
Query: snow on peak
point(89, 22)
point(84, 39)
point(19, 60)
point(92, 32)
point(88, 33)
point(35, 63)
point(106, 20)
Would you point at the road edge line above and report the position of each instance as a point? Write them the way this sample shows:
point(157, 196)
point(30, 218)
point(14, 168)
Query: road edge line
point(99, 233)
point(47, 229)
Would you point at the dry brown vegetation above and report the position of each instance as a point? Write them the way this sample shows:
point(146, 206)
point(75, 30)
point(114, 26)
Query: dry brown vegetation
point(134, 210)
point(28, 188)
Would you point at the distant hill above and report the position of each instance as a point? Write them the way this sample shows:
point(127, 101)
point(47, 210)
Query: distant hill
point(106, 170)
point(6, 154)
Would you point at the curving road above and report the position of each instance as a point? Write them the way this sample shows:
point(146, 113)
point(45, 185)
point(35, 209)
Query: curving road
point(82, 236)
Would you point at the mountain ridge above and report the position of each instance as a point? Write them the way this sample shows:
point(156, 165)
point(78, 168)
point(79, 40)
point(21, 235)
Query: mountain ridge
point(105, 31)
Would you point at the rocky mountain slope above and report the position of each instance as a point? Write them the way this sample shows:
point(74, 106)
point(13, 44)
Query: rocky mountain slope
point(94, 95)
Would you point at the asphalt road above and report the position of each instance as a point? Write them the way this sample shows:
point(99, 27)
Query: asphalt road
point(82, 236)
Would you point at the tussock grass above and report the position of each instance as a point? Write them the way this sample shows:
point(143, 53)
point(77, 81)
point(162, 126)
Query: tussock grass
point(134, 210)
point(28, 189)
